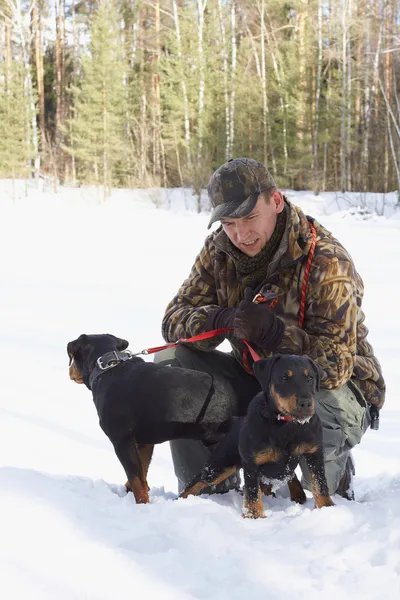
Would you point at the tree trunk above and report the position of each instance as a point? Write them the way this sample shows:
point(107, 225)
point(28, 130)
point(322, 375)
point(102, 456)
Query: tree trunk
point(224, 55)
point(143, 136)
point(396, 125)
point(60, 88)
point(183, 84)
point(156, 109)
point(357, 174)
point(233, 73)
point(8, 52)
point(301, 96)
point(369, 100)
point(349, 104)
point(201, 6)
point(327, 110)
point(75, 53)
point(388, 86)
point(31, 128)
point(262, 71)
point(38, 46)
point(317, 99)
point(274, 50)
point(343, 146)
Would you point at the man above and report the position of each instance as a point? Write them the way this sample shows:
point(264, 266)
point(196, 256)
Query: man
point(263, 246)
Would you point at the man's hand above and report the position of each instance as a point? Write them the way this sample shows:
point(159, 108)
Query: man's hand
point(220, 318)
point(256, 323)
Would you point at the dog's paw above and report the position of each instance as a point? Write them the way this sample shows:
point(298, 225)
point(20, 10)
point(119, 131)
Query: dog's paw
point(253, 511)
point(322, 501)
point(300, 498)
point(249, 515)
point(129, 489)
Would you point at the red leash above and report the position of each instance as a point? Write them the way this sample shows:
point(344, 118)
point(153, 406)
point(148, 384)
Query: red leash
point(306, 275)
point(198, 338)
point(258, 298)
point(195, 338)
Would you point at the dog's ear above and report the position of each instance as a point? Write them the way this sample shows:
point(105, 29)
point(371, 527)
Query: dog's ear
point(75, 346)
point(262, 369)
point(121, 343)
point(318, 372)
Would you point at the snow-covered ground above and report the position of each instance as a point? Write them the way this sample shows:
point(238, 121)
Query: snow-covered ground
point(70, 265)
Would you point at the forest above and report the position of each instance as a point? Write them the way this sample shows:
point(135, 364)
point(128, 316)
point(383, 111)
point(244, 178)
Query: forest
point(134, 93)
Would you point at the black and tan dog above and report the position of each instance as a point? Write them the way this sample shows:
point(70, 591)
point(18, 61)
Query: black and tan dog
point(140, 404)
point(280, 427)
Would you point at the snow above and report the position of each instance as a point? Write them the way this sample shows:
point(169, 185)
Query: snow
point(71, 265)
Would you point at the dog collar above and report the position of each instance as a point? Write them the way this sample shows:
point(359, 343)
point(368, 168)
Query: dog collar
point(108, 361)
point(280, 417)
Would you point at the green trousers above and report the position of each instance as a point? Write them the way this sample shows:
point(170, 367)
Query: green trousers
point(343, 412)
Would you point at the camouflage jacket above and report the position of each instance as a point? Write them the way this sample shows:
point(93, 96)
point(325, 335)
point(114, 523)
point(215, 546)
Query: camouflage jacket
point(333, 333)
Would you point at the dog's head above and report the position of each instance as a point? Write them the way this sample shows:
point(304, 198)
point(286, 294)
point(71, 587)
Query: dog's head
point(290, 383)
point(84, 352)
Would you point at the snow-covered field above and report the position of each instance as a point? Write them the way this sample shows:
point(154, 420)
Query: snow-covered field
point(67, 529)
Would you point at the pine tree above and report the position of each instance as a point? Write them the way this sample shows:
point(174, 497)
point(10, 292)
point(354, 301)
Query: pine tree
point(16, 145)
point(96, 136)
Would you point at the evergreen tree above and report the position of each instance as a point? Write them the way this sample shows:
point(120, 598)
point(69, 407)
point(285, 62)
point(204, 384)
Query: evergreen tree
point(96, 136)
point(16, 146)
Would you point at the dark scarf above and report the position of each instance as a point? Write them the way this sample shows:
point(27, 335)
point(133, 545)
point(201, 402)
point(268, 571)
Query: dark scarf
point(252, 270)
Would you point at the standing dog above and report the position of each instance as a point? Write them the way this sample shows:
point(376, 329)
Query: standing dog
point(280, 427)
point(141, 404)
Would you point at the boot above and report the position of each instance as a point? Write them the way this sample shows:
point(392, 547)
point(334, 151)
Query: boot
point(345, 487)
point(231, 483)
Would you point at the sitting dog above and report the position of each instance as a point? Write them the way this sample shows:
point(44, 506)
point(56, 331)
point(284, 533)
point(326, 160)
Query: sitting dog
point(141, 404)
point(280, 427)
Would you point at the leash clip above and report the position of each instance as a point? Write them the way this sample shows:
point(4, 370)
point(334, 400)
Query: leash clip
point(145, 352)
point(259, 298)
point(269, 296)
point(280, 417)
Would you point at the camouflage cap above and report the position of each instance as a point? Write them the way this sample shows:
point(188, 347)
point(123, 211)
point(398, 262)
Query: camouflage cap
point(234, 188)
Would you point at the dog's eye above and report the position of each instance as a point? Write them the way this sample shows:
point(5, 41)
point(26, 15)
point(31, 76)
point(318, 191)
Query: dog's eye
point(284, 377)
point(310, 378)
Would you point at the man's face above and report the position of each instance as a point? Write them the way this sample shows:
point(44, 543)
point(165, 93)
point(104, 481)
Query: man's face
point(250, 234)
